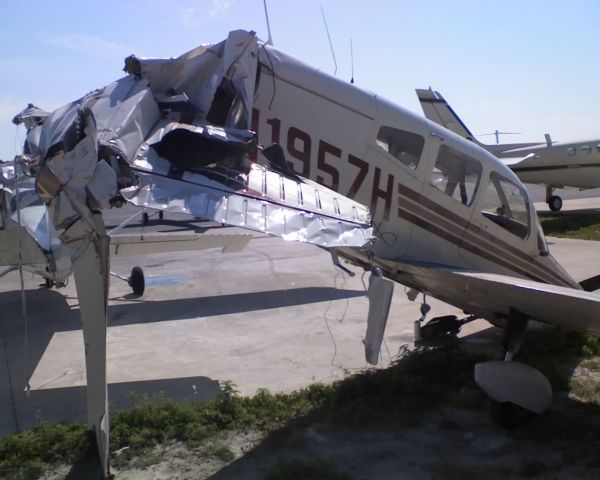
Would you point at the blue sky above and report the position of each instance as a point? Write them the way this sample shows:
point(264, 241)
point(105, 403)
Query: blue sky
point(520, 66)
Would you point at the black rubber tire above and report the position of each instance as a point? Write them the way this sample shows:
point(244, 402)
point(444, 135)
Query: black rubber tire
point(161, 215)
point(145, 218)
point(555, 203)
point(137, 281)
point(48, 283)
point(509, 415)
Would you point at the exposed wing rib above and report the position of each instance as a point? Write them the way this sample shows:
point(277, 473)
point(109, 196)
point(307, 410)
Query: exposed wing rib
point(235, 191)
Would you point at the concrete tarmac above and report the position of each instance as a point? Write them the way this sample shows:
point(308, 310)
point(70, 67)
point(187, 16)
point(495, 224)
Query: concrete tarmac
point(277, 315)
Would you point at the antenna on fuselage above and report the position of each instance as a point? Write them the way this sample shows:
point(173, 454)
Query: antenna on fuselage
point(270, 39)
point(329, 37)
point(351, 61)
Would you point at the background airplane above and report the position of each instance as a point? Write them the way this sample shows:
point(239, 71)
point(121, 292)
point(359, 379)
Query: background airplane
point(553, 164)
point(180, 134)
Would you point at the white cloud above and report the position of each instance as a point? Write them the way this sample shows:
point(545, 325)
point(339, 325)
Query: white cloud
point(95, 46)
point(193, 16)
point(219, 6)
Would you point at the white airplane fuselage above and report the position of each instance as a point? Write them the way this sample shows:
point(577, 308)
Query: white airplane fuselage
point(572, 164)
point(329, 131)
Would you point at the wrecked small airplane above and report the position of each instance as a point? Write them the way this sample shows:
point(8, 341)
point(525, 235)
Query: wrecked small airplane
point(186, 134)
point(553, 164)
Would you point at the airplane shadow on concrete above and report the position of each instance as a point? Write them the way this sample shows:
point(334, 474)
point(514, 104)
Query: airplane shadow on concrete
point(163, 310)
point(49, 313)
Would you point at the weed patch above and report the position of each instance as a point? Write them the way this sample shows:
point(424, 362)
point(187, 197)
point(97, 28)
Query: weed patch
point(25, 455)
point(580, 226)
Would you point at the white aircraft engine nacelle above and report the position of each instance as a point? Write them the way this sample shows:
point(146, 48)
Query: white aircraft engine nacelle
point(516, 383)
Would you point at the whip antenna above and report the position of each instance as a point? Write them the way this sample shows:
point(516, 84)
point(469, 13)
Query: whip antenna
point(270, 39)
point(329, 37)
point(351, 61)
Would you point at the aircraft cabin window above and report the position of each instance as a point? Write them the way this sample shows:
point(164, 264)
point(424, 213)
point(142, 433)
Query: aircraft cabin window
point(586, 149)
point(572, 151)
point(506, 204)
point(456, 174)
point(405, 146)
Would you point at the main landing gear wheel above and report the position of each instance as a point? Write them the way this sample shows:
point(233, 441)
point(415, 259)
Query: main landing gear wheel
point(161, 215)
point(555, 203)
point(136, 281)
point(145, 218)
point(510, 415)
point(48, 283)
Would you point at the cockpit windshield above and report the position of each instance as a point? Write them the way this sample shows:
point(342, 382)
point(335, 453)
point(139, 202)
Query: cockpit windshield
point(507, 205)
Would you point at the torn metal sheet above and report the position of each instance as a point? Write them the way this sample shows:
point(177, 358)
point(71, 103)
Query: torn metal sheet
point(223, 185)
point(199, 196)
point(29, 229)
point(215, 82)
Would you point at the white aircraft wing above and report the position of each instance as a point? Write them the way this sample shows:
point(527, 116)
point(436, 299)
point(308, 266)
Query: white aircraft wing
point(240, 192)
point(493, 296)
point(138, 244)
point(561, 306)
point(517, 161)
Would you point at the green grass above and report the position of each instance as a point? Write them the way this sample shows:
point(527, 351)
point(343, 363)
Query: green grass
point(25, 455)
point(412, 386)
point(402, 394)
point(580, 226)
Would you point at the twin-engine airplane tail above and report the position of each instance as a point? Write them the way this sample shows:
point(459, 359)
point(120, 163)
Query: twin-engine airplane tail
point(552, 164)
point(436, 108)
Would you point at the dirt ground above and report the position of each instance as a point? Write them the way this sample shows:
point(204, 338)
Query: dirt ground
point(457, 441)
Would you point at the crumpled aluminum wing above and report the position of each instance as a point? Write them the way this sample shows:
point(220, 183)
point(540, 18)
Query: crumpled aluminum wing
point(256, 198)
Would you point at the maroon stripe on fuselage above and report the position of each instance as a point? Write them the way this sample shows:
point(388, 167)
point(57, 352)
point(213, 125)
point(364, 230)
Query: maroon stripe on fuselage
point(472, 234)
